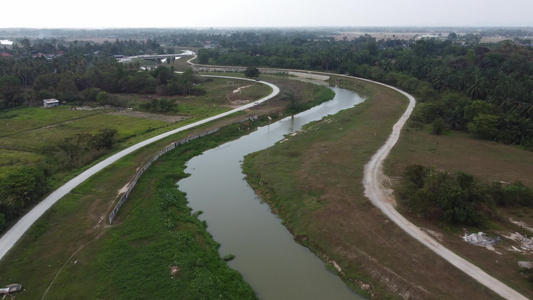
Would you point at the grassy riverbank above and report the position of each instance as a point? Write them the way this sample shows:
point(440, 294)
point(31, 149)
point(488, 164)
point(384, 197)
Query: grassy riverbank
point(313, 181)
point(155, 248)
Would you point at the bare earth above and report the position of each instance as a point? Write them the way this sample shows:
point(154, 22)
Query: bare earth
point(382, 198)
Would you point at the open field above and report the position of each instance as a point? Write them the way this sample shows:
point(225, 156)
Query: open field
point(73, 252)
point(313, 181)
point(31, 131)
point(490, 162)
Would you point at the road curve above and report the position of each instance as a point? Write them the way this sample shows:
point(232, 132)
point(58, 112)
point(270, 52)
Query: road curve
point(8, 240)
point(381, 197)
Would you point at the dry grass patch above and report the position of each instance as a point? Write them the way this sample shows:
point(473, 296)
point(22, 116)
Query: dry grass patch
point(490, 162)
point(320, 197)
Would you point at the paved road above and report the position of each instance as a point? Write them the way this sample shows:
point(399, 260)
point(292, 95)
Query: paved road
point(381, 197)
point(15, 233)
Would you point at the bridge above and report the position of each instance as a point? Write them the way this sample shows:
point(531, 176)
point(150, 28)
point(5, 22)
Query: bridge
point(155, 57)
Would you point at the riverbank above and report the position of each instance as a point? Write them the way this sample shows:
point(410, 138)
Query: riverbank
point(67, 251)
point(315, 187)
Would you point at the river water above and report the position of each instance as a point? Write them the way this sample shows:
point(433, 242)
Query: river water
point(265, 252)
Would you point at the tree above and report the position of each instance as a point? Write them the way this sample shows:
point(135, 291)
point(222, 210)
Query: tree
point(22, 186)
point(10, 90)
point(252, 72)
point(452, 36)
point(203, 57)
point(485, 126)
point(105, 139)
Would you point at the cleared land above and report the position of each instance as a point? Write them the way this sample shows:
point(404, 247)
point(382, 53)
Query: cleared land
point(313, 181)
point(490, 162)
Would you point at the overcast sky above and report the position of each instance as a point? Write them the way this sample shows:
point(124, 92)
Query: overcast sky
point(263, 13)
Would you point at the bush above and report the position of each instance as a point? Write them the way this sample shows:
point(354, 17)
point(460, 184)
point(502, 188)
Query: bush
point(456, 199)
point(437, 127)
point(516, 194)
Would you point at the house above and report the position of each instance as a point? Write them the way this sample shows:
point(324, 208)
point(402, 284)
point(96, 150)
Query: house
point(50, 103)
point(4, 54)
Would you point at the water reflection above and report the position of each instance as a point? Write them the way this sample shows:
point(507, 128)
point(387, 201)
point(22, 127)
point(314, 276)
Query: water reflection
point(266, 255)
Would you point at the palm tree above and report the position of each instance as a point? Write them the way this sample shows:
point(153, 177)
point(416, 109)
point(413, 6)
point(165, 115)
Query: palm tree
point(477, 89)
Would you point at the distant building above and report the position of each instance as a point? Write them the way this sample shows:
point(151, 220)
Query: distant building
point(6, 42)
point(4, 54)
point(50, 103)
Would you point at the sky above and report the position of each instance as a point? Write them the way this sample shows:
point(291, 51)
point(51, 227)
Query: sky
point(263, 13)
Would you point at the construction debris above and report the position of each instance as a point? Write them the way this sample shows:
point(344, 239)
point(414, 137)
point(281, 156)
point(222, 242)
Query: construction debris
point(10, 288)
point(481, 239)
point(525, 264)
point(526, 243)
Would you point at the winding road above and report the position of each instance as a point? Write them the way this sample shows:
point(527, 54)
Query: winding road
point(382, 198)
point(8, 240)
point(373, 180)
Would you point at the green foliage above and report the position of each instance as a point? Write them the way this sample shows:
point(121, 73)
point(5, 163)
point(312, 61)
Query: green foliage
point(160, 105)
point(91, 94)
point(10, 91)
point(203, 57)
point(19, 189)
point(321, 94)
point(2, 221)
point(476, 108)
point(437, 127)
point(456, 199)
point(159, 234)
point(82, 148)
point(485, 126)
point(515, 194)
point(252, 72)
point(104, 139)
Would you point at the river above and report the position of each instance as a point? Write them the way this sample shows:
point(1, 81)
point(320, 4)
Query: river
point(265, 252)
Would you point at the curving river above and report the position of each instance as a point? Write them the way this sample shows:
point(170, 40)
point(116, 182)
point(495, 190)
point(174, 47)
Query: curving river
point(265, 252)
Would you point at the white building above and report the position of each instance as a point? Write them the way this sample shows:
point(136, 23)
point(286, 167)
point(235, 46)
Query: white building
point(50, 103)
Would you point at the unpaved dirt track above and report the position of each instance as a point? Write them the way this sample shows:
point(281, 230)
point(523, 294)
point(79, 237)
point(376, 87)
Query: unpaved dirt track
point(382, 198)
point(15, 233)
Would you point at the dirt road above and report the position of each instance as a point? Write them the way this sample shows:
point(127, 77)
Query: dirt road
point(382, 198)
point(8, 240)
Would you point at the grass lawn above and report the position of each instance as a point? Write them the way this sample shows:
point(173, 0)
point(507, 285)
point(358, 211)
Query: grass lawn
point(314, 182)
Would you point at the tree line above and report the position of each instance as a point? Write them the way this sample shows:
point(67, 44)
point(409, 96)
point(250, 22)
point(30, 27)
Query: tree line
point(77, 78)
point(486, 90)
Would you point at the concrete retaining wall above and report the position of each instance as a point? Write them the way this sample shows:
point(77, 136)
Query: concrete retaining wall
point(169, 148)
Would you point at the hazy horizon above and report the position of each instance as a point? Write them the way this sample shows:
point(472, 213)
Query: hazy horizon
point(101, 14)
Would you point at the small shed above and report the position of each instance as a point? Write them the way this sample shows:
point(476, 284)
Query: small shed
point(50, 103)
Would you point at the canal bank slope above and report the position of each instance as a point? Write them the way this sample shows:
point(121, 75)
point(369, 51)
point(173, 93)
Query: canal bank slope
point(321, 203)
